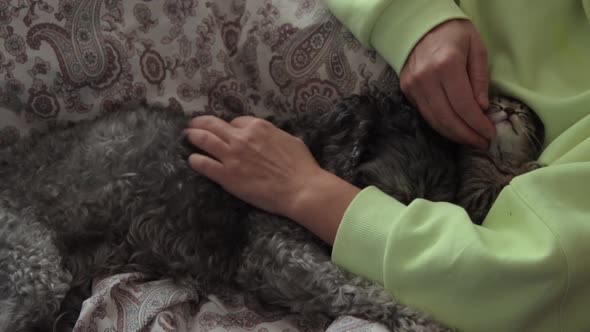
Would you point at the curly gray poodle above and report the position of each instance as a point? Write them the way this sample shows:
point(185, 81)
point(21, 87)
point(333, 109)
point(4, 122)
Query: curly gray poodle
point(116, 195)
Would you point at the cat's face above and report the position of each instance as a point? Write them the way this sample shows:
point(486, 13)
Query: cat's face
point(520, 132)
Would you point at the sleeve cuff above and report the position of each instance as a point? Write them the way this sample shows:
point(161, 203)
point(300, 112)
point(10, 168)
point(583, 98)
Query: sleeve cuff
point(364, 232)
point(403, 23)
point(359, 16)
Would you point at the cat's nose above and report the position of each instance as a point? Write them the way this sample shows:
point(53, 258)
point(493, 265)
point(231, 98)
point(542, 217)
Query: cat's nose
point(509, 111)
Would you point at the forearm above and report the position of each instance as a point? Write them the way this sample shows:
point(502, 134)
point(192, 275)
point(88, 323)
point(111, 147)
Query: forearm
point(321, 203)
point(393, 27)
point(431, 257)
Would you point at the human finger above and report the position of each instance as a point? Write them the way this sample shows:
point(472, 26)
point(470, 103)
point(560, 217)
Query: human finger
point(437, 111)
point(208, 167)
point(477, 68)
point(460, 96)
point(213, 124)
point(208, 142)
point(244, 121)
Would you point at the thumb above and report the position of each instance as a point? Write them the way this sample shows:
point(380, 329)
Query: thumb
point(477, 69)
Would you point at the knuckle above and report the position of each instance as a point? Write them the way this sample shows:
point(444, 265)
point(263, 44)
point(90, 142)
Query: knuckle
point(245, 138)
point(241, 119)
point(239, 141)
point(424, 77)
point(446, 60)
point(205, 121)
point(254, 132)
point(260, 124)
point(408, 83)
point(405, 85)
point(250, 138)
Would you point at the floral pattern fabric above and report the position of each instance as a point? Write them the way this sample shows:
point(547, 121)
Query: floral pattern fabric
point(68, 60)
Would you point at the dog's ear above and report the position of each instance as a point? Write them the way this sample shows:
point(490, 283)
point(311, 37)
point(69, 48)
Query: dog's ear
point(342, 134)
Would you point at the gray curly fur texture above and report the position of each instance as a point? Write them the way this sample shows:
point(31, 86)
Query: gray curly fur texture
point(116, 195)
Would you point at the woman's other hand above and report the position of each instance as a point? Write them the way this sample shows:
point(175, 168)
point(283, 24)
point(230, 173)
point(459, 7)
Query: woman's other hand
point(446, 77)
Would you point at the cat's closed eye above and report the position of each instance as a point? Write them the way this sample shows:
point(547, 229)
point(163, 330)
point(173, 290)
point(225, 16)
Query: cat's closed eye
point(519, 131)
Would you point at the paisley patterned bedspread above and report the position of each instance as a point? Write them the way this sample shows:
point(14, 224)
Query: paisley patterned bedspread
point(128, 303)
point(67, 60)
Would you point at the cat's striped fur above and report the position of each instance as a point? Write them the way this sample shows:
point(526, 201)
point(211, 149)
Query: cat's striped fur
point(514, 151)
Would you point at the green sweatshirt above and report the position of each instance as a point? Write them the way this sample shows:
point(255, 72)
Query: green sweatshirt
point(527, 267)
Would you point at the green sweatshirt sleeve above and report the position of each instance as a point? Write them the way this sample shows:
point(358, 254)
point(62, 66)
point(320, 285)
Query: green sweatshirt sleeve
point(524, 269)
point(393, 27)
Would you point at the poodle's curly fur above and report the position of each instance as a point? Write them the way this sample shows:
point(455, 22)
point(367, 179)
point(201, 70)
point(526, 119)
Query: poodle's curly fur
point(115, 195)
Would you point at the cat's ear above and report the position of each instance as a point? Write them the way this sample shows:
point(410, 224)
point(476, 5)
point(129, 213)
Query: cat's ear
point(343, 134)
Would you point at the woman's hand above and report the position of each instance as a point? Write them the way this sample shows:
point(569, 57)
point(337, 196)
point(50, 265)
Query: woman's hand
point(446, 77)
point(252, 159)
point(270, 169)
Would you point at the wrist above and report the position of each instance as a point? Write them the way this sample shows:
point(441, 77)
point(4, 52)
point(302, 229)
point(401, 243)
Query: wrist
point(320, 203)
